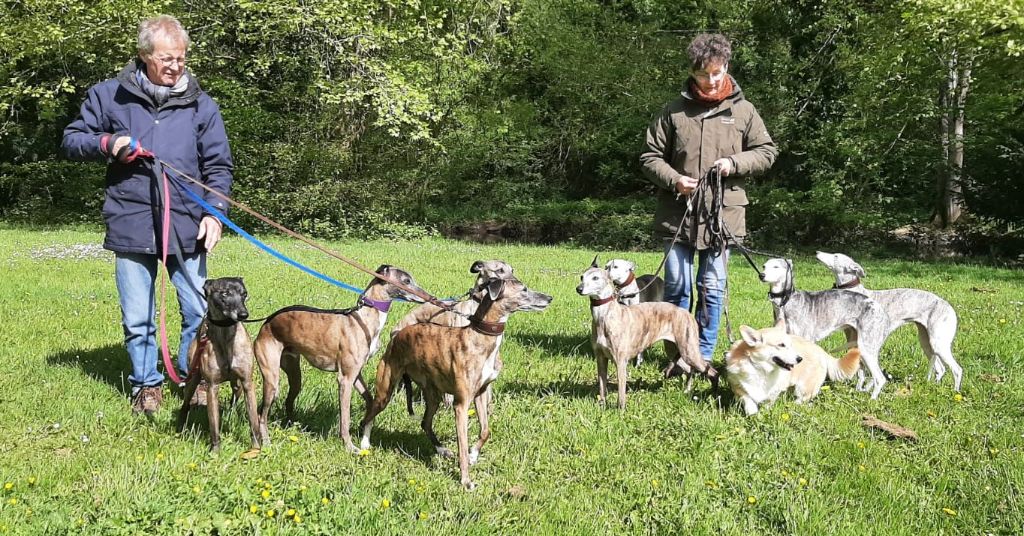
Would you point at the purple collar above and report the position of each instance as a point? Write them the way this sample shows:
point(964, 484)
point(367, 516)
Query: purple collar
point(382, 306)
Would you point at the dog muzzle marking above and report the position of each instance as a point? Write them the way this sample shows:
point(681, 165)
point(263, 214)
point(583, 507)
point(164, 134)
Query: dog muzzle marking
point(600, 302)
point(382, 306)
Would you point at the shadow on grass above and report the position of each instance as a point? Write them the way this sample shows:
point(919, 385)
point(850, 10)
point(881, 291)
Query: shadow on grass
point(555, 345)
point(108, 364)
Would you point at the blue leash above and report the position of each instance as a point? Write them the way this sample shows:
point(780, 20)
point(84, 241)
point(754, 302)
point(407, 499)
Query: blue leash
point(226, 221)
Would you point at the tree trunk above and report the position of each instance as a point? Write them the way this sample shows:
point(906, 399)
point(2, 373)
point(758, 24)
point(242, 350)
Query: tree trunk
point(952, 100)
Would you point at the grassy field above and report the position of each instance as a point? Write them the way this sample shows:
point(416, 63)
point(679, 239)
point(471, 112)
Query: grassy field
point(73, 459)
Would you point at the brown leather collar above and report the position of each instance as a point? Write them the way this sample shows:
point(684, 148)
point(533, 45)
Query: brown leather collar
point(848, 284)
point(487, 328)
point(630, 279)
point(600, 302)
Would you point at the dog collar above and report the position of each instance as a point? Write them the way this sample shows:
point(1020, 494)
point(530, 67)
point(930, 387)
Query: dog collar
point(382, 306)
point(848, 284)
point(487, 328)
point(630, 279)
point(600, 302)
point(783, 297)
point(221, 323)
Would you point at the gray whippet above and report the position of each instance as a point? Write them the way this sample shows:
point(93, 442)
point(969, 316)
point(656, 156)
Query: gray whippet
point(462, 361)
point(222, 352)
point(934, 317)
point(619, 332)
point(816, 315)
point(339, 341)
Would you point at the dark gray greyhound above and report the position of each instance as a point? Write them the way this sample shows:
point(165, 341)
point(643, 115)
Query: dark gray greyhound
point(222, 352)
point(816, 315)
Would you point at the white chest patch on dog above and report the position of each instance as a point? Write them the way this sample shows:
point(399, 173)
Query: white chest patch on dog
point(375, 341)
point(489, 373)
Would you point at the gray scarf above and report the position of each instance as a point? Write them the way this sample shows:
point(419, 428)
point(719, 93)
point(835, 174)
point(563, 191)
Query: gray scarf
point(160, 94)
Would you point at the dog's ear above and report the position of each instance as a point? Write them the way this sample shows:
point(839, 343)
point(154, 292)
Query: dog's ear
point(593, 263)
point(206, 289)
point(632, 266)
point(607, 265)
point(494, 288)
point(750, 335)
point(477, 266)
point(858, 270)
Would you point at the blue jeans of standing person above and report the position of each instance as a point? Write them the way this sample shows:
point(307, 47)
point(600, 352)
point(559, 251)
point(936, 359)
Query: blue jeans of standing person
point(711, 279)
point(136, 274)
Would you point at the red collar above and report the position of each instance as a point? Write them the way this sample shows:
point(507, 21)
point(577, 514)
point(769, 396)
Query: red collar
point(630, 279)
point(600, 302)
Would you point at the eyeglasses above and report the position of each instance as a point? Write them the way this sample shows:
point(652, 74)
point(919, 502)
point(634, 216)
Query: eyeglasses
point(167, 62)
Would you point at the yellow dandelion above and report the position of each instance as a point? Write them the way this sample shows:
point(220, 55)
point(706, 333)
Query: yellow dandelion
point(159, 456)
point(271, 513)
point(325, 500)
point(993, 451)
point(197, 490)
point(253, 508)
point(785, 473)
point(81, 522)
point(8, 486)
point(751, 500)
point(192, 466)
point(385, 504)
point(862, 468)
point(785, 417)
point(958, 397)
point(860, 444)
point(297, 519)
point(364, 452)
point(290, 512)
point(424, 515)
point(31, 481)
point(412, 481)
point(472, 412)
point(13, 501)
point(949, 511)
point(293, 438)
point(802, 481)
point(1002, 320)
point(654, 482)
point(265, 494)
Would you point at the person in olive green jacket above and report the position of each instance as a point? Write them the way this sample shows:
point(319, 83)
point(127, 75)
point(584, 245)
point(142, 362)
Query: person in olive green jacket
point(709, 125)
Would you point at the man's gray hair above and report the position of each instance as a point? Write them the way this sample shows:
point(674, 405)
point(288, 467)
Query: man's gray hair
point(163, 26)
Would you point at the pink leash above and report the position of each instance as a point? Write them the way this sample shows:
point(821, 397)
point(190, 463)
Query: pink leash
point(165, 236)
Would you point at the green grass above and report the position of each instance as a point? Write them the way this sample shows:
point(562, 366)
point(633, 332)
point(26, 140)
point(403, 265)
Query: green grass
point(78, 461)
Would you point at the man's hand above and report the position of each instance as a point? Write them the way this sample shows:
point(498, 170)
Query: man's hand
point(685, 185)
point(124, 148)
point(210, 229)
point(725, 164)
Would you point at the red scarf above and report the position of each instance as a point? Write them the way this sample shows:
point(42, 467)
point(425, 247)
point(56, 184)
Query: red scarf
point(714, 98)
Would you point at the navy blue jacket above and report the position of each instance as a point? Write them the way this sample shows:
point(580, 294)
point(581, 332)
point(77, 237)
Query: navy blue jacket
point(186, 132)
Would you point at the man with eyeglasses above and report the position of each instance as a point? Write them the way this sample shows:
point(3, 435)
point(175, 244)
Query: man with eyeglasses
point(710, 125)
point(155, 105)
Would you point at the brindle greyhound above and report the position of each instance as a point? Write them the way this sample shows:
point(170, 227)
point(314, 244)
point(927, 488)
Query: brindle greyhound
point(458, 316)
point(222, 352)
point(632, 290)
point(462, 361)
point(338, 341)
point(619, 332)
point(934, 317)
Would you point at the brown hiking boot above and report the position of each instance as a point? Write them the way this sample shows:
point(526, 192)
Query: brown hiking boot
point(199, 397)
point(147, 400)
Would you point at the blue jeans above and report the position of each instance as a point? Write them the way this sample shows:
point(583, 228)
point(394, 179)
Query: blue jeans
point(711, 280)
point(135, 274)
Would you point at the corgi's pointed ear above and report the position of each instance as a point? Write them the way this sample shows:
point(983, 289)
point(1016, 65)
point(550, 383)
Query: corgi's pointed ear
point(750, 335)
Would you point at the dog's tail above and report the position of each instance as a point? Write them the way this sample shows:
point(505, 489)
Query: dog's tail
point(845, 367)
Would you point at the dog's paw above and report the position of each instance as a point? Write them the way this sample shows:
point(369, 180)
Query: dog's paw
point(444, 452)
point(468, 485)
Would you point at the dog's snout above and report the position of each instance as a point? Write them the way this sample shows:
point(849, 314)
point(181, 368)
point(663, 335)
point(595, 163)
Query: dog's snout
point(243, 314)
point(761, 275)
point(799, 359)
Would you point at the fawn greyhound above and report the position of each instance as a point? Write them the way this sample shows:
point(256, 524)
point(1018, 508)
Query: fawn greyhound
point(934, 317)
point(619, 332)
point(222, 352)
point(337, 341)
point(459, 360)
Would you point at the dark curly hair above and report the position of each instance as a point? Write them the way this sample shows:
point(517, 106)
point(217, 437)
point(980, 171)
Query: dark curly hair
point(706, 49)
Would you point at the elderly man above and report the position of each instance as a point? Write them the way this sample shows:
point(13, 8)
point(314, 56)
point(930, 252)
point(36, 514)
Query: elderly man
point(710, 125)
point(154, 104)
